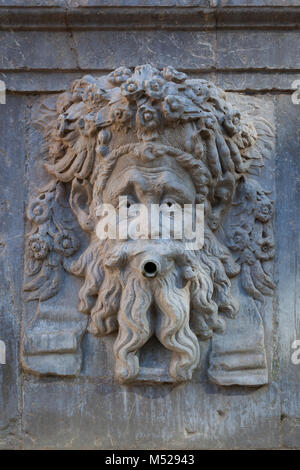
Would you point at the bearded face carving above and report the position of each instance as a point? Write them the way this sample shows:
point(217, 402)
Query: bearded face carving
point(154, 138)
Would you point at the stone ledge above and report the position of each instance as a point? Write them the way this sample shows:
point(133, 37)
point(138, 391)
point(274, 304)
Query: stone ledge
point(147, 3)
point(148, 18)
point(49, 81)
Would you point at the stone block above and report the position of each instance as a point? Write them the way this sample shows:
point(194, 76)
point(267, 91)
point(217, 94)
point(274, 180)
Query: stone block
point(192, 50)
point(36, 50)
point(258, 50)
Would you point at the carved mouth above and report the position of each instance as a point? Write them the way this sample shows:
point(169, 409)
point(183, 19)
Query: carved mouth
point(150, 268)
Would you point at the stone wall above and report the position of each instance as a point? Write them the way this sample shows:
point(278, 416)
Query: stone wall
point(243, 46)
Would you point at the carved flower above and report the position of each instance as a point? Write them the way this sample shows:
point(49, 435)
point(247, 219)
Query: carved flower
point(239, 239)
point(38, 210)
point(93, 95)
point(263, 208)
point(77, 92)
point(131, 89)
point(172, 74)
point(155, 88)
point(232, 122)
point(88, 124)
point(147, 117)
point(211, 122)
point(198, 89)
point(39, 246)
point(65, 243)
point(173, 107)
point(248, 135)
point(265, 249)
point(120, 75)
point(120, 116)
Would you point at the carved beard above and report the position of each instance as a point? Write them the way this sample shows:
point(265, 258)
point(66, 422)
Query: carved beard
point(182, 301)
point(157, 307)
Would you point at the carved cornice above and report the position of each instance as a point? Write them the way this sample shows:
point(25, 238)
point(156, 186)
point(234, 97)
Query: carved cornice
point(148, 18)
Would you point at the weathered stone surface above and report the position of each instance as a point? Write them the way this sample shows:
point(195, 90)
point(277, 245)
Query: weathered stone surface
point(36, 50)
point(38, 82)
point(90, 411)
point(291, 433)
point(67, 4)
point(258, 50)
point(93, 415)
point(288, 268)
point(12, 150)
point(33, 3)
point(142, 17)
point(267, 81)
point(53, 81)
point(50, 402)
point(94, 50)
point(257, 3)
point(235, 418)
point(138, 3)
point(101, 416)
point(192, 50)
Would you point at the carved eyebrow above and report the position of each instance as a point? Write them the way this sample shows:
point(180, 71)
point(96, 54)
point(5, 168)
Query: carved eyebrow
point(129, 185)
point(125, 189)
point(175, 188)
point(152, 170)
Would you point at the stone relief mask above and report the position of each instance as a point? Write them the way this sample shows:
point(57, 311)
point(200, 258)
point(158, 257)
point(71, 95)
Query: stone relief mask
point(156, 137)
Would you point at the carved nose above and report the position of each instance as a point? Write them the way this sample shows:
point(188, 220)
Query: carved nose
point(150, 268)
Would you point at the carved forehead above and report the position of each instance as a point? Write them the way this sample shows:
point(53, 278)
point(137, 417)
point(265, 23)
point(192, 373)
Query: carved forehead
point(155, 164)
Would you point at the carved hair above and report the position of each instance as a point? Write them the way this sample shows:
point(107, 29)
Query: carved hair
point(101, 119)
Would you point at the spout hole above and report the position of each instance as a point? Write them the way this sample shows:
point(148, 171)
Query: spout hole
point(150, 269)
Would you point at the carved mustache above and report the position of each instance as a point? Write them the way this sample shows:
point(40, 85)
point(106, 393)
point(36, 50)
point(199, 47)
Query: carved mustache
point(150, 258)
point(122, 262)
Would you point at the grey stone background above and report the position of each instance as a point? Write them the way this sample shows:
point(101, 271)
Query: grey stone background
point(246, 46)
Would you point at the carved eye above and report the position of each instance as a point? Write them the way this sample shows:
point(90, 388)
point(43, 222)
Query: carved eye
point(131, 87)
point(168, 203)
point(124, 203)
point(118, 113)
